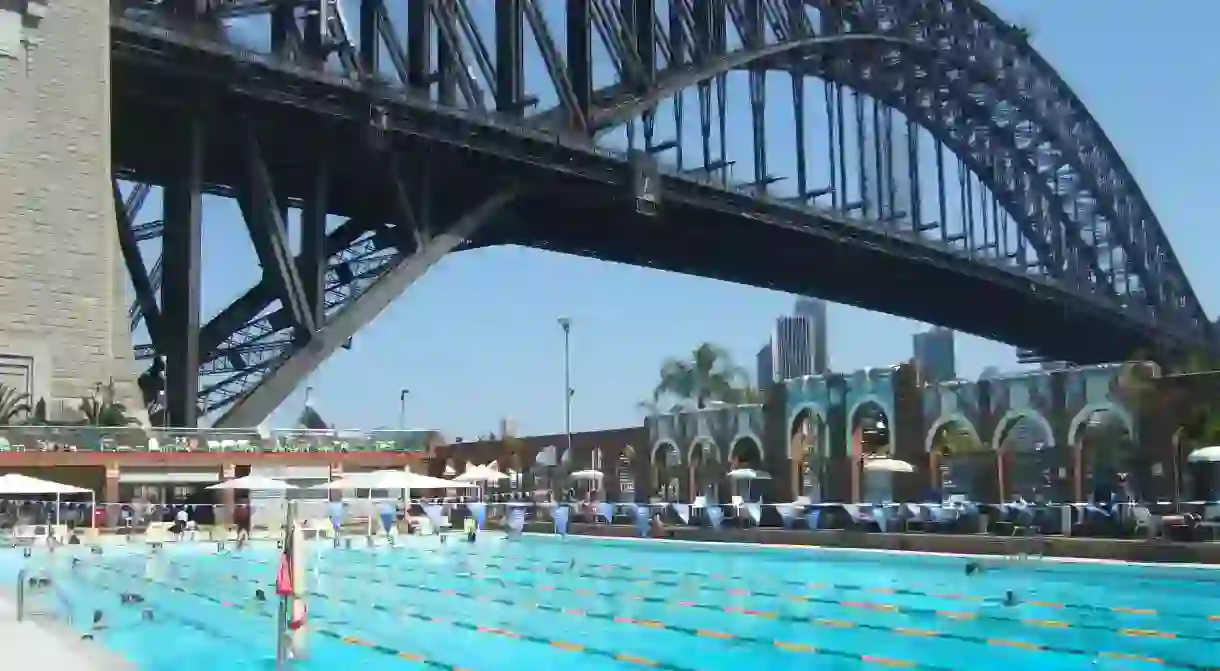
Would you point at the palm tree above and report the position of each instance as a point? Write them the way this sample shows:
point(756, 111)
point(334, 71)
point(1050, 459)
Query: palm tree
point(709, 375)
point(13, 404)
point(101, 409)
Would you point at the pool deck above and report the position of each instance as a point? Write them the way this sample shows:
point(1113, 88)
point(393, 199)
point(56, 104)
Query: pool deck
point(1114, 549)
point(48, 646)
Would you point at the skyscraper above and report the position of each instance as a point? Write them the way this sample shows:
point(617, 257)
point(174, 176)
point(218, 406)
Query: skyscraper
point(765, 372)
point(792, 348)
point(814, 310)
point(934, 355)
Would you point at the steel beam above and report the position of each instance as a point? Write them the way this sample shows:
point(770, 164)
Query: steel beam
point(129, 245)
point(265, 221)
point(314, 257)
point(179, 330)
point(279, 382)
point(510, 66)
point(580, 56)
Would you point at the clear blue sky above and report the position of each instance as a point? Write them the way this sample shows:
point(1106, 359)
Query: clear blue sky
point(477, 340)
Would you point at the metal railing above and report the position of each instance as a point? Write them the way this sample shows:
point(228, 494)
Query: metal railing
point(35, 438)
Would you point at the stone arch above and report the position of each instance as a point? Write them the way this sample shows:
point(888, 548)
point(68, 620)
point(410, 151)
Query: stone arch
point(1081, 419)
point(886, 411)
point(664, 473)
point(751, 440)
point(997, 434)
point(808, 467)
point(625, 472)
point(814, 410)
point(703, 453)
point(955, 418)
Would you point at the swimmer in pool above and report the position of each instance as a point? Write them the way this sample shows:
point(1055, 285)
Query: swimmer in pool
point(1010, 598)
point(98, 624)
point(146, 615)
point(973, 567)
point(260, 595)
point(128, 599)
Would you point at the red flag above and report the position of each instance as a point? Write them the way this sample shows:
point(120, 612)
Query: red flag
point(283, 577)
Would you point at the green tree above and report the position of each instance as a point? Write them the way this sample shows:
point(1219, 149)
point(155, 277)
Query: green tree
point(13, 405)
point(709, 375)
point(103, 409)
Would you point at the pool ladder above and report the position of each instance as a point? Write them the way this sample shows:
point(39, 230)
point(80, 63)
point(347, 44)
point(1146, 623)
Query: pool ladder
point(24, 612)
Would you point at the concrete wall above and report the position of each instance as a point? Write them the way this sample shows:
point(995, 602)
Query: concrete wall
point(62, 282)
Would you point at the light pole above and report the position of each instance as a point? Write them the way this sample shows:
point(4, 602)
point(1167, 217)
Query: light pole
point(566, 324)
point(402, 408)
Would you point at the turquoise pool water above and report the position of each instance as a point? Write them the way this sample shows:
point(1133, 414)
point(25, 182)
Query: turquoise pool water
point(544, 602)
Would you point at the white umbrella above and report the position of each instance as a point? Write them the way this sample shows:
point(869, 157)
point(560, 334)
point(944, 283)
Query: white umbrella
point(1205, 455)
point(885, 465)
point(481, 474)
point(588, 474)
point(747, 474)
point(256, 483)
point(15, 483)
point(390, 479)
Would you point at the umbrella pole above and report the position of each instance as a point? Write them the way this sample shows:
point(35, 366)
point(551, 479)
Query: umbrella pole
point(92, 509)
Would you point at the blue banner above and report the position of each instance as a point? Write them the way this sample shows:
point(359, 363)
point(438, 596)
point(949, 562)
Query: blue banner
point(561, 520)
point(516, 519)
point(811, 517)
point(606, 511)
point(641, 520)
point(682, 510)
point(787, 513)
point(479, 511)
point(433, 512)
point(715, 515)
point(335, 512)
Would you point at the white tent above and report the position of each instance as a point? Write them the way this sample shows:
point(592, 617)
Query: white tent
point(15, 483)
point(886, 465)
point(481, 474)
point(391, 479)
point(256, 483)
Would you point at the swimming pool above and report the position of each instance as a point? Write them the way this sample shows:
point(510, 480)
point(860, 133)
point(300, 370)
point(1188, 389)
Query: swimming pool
point(544, 602)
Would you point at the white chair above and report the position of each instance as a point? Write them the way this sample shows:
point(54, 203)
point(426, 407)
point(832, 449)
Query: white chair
point(154, 445)
point(1211, 519)
point(1144, 519)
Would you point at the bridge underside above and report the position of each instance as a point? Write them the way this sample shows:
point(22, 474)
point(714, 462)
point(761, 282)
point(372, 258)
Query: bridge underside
point(416, 181)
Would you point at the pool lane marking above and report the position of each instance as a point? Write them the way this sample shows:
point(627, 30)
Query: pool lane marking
point(720, 577)
point(406, 655)
point(563, 645)
point(540, 567)
point(820, 622)
point(872, 606)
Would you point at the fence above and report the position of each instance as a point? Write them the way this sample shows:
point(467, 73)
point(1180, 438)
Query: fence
point(135, 439)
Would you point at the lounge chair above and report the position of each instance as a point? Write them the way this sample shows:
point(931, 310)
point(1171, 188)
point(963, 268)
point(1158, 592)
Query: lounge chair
point(1145, 520)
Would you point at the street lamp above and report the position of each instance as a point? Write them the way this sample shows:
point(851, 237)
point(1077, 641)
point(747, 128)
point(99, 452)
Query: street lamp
point(566, 324)
point(402, 408)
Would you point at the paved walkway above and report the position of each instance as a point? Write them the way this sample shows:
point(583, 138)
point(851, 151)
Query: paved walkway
point(47, 646)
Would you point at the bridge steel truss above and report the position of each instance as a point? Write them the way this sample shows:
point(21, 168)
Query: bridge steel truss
point(940, 129)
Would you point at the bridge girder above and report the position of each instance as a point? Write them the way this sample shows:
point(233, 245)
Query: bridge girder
point(954, 69)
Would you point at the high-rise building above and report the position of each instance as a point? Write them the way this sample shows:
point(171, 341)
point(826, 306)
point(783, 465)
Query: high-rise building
point(814, 310)
point(934, 355)
point(792, 348)
point(765, 371)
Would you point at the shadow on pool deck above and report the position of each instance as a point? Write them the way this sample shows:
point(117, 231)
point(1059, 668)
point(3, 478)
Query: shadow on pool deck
point(1134, 550)
point(50, 646)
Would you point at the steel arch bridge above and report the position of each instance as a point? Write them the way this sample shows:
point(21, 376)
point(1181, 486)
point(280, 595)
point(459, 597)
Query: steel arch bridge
point(928, 163)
